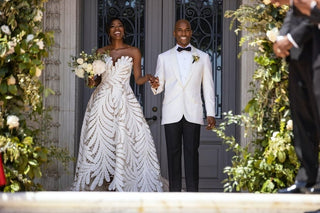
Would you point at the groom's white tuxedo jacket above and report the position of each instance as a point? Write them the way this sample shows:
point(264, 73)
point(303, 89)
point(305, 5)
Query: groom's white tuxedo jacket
point(184, 98)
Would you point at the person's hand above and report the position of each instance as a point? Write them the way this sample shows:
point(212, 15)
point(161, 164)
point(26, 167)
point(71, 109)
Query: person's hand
point(148, 77)
point(211, 123)
point(91, 82)
point(281, 47)
point(154, 82)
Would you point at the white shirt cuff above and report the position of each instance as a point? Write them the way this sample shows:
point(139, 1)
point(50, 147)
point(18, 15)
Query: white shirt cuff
point(292, 41)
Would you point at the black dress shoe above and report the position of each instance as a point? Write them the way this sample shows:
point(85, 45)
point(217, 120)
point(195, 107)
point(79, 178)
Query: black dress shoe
point(297, 187)
point(315, 189)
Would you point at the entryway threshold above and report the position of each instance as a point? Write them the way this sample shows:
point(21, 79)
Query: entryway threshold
point(127, 202)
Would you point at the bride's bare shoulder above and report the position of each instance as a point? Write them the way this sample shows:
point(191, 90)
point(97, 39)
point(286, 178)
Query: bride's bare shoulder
point(134, 51)
point(104, 49)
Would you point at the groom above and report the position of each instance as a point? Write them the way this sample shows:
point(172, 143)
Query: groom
point(180, 73)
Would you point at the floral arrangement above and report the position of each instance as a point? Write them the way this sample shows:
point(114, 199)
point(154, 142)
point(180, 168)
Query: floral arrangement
point(268, 162)
point(23, 46)
point(89, 65)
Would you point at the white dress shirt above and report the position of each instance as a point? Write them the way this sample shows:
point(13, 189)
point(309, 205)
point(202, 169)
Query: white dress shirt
point(184, 61)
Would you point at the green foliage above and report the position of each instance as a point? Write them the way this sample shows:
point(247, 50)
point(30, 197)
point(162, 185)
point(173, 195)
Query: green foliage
point(268, 162)
point(23, 45)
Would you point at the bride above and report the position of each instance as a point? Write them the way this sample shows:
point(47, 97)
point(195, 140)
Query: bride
point(117, 151)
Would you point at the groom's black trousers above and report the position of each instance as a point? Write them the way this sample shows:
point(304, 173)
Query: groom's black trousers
point(304, 88)
point(188, 134)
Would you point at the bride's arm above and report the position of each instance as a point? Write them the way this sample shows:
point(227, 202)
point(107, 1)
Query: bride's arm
point(139, 79)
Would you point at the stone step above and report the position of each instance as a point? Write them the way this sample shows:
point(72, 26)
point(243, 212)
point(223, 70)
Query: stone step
point(126, 202)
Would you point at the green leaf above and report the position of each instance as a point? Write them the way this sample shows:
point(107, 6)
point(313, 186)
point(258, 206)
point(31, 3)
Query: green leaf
point(36, 61)
point(48, 91)
point(27, 169)
point(33, 162)
point(3, 88)
point(34, 49)
point(276, 77)
point(281, 156)
point(13, 89)
point(3, 71)
point(3, 49)
point(28, 141)
point(15, 186)
point(37, 172)
point(22, 66)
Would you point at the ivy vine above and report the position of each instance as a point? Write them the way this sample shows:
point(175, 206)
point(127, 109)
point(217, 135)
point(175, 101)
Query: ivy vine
point(24, 143)
point(268, 162)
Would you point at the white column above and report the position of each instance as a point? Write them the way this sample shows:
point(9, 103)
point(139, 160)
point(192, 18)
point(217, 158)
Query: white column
point(69, 45)
point(247, 69)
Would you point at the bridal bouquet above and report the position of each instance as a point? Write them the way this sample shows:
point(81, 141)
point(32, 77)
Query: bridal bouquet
point(88, 65)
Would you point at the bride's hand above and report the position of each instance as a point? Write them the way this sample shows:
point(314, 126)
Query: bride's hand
point(154, 82)
point(91, 81)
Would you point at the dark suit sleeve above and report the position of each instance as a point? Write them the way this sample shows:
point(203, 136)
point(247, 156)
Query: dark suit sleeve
point(285, 28)
point(303, 32)
point(299, 27)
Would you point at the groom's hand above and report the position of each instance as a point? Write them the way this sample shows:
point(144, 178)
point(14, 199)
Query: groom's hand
point(154, 82)
point(211, 123)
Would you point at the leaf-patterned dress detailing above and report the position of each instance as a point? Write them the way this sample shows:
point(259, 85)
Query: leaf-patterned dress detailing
point(116, 145)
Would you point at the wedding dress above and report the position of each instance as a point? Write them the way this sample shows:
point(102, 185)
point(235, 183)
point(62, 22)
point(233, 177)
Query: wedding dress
point(116, 145)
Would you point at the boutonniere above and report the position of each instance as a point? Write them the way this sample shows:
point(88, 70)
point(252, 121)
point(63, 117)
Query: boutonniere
point(195, 58)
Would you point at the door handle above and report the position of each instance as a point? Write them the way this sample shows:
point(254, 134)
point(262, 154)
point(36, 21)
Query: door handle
point(153, 118)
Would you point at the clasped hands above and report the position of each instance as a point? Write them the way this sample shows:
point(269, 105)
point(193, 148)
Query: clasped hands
point(282, 46)
point(154, 82)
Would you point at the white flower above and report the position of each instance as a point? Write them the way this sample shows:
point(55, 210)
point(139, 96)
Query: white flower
point(289, 125)
point(6, 29)
point(38, 72)
point(22, 51)
point(11, 80)
point(84, 66)
point(79, 72)
point(80, 61)
point(90, 69)
point(266, 2)
point(30, 37)
point(11, 45)
point(40, 44)
point(274, 136)
point(273, 34)
point(38, 16)
point(12, 121)
point(99, 67)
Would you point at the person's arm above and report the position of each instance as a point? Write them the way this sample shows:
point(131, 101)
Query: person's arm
point(139, 79)
point(157, 86)
point(282, 46)
point(208, 92)
point(295, 31)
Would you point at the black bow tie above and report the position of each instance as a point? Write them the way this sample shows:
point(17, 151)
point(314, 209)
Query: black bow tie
point(186, 49)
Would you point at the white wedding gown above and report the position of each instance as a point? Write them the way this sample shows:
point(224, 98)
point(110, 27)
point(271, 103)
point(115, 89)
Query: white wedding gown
point(116, 145)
